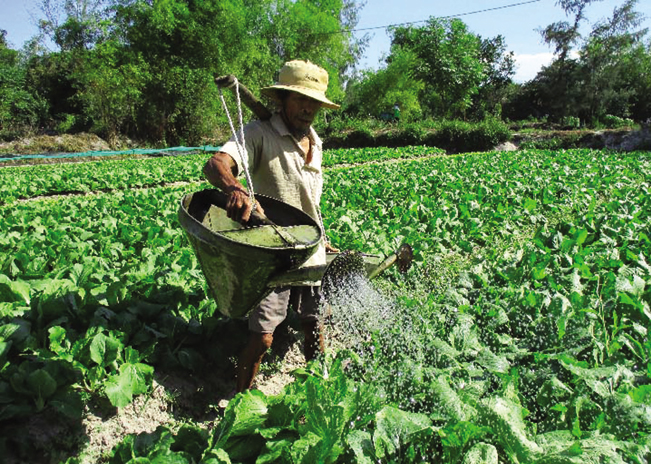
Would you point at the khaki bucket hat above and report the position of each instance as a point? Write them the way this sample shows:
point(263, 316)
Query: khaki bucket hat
point(302, 77)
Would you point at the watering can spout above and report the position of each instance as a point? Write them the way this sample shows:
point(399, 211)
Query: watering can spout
point(340, 265)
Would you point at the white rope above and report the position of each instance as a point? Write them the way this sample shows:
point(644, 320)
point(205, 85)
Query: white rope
point(239, 141)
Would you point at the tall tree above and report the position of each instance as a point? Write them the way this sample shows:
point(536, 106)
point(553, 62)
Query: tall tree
point(449, 64)
point(500, 68)
point(20, 109)
point(601, 79)
point(376, 92)
point(639, 80)
point(606, 60)
point(74, 24)
point(148, 66)
point(187, 42)
point(563, 36)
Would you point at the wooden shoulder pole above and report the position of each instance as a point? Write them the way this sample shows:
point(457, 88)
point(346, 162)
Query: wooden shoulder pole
point(250, 100)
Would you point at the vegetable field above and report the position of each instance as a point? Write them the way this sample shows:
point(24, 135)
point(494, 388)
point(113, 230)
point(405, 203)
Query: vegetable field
point(520, 334)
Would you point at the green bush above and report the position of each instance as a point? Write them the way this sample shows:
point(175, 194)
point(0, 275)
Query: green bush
point(413, 134)
point(453, 136)
point(461, 137)
point(20, 110)
point(610, 121)
point(67, 123)
point(570, 122)
point(359, 138)
point(559, 142)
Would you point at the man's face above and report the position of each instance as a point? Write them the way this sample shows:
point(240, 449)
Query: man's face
point(300, 111)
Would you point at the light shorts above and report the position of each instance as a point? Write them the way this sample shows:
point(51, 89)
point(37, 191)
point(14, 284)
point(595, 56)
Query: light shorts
point(272, 310)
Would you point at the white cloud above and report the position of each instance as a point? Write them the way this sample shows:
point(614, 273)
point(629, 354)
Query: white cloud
point(527, 66)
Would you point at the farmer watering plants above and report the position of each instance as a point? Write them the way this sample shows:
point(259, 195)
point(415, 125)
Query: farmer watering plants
point(283, 155)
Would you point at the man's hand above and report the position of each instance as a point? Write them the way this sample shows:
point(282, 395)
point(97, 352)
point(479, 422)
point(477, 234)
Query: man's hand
point(330, 248)
point(220, 171)
point(238, 205)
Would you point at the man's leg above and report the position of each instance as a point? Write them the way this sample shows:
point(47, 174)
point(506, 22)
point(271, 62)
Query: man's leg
point(250, 359)
point(263, 320)
point(307, 302)
point(313, 339)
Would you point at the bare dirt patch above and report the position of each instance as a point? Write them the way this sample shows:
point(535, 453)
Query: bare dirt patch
point(66, 143)
point(179, 397)
point(143, 415)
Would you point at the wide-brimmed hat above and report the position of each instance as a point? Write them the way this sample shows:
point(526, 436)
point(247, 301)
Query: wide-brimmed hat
point(302, 77)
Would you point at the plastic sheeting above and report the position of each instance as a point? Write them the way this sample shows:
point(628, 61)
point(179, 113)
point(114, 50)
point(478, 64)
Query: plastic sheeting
point(136, 151)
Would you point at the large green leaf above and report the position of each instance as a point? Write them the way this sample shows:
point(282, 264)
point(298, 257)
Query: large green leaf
point(105, 349)
point(14, 290)
point(133, 379)
point(361, 442)
point(395, 428)
point(560, 448)
point(505, 418)
point(481, 453)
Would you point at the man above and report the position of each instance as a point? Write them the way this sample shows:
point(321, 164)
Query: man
point(284, 160)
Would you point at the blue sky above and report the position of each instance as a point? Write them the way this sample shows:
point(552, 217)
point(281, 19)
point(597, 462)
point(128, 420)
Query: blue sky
point(517, 24)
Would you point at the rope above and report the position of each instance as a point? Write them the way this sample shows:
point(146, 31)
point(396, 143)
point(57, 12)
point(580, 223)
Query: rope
point(239, 141)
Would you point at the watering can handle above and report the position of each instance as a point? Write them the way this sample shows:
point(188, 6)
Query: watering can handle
point(250, 100)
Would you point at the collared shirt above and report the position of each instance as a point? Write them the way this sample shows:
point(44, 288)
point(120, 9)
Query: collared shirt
point(278, 169)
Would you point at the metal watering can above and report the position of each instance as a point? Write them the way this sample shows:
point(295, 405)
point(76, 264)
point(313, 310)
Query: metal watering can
point(242, 265)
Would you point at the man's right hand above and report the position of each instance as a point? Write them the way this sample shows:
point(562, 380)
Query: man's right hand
point(239, 207)
point(220, 172)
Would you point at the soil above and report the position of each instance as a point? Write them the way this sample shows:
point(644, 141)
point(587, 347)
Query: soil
point(175, 398)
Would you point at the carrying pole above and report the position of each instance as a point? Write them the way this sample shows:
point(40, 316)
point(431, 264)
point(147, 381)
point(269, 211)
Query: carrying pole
point(250, 100)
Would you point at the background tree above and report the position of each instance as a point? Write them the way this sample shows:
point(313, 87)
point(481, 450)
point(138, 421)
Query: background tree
point(606, 76)
point(449, 63)
point(375, 92)
point(74, 24)
point(441, 70)
point(639, 81)
point(320, 31)
point(111, 90)
point(560, 77)
point(606, 62)
point(146, 68)
point(20, 110)
point(500, 68)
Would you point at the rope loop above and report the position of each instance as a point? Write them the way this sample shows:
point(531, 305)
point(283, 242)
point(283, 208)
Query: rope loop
point(239, 137)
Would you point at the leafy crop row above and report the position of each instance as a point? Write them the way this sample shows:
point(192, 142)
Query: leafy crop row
point(86, 284)
point(339, 156)
point(33, 181)
point(534, 350)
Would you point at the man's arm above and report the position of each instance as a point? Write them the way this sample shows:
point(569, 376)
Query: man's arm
point(220, 171)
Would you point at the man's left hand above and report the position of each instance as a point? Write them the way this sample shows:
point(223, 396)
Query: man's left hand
point(330, 248)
